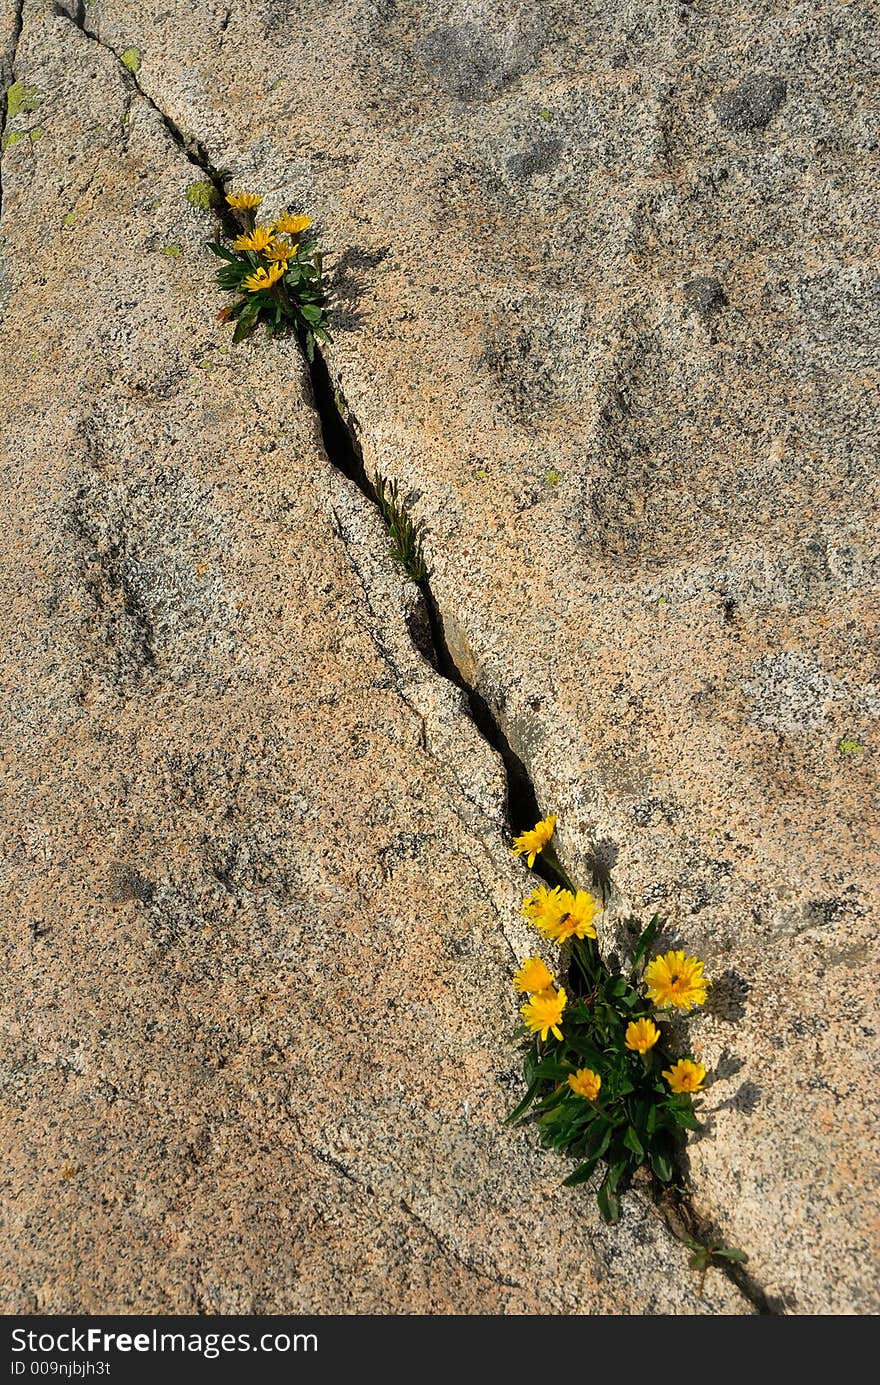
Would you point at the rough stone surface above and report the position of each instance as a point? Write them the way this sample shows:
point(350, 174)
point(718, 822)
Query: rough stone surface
point(651, 508)
point(259, 916)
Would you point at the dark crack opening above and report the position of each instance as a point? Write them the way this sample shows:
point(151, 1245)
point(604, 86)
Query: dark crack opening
point(340, 444)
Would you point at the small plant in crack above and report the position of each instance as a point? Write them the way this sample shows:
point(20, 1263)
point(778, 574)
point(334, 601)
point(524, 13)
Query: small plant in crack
point(602, 1079)
point(276, 272)
point(406, 537)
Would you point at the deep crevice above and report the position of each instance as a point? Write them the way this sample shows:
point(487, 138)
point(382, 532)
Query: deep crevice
point(686, 1226)
point(339, 434)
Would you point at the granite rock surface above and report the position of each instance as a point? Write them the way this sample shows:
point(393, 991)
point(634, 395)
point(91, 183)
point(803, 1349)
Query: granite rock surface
point(607, 308)
point(259, 912)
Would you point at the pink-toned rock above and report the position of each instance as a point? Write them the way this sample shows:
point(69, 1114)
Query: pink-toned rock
point(607, 309)
point(258, 910)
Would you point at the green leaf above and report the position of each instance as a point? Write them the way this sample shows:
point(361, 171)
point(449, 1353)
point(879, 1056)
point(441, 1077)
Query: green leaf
point(581, 1173)
point(311, 312)
point(609, 1205)
point(738, 1256)
point(662, 1166)
point(549, 1067)
point(616, 1170)
point(645, 941)
point(248, 320)
point(685, 1118)
point(599, 1137)
point(526, 1102)
point(633, 1143)
point(551, 1101)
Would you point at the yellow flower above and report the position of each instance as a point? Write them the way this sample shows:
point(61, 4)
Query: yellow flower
point(263, 278)
point(532, 977)
point(533, 843)
point(259, 238)
point(545, 908)
point(585, 1083)
point(685, 1076)
point(641, 1035)
point(577, 919)
point(280, 250)
point(543, 1013)
point(243, 201)
point(292, 225)
point(674, 979)
point(560, 915)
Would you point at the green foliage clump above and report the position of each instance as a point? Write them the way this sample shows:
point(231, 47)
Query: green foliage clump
point(276, 272)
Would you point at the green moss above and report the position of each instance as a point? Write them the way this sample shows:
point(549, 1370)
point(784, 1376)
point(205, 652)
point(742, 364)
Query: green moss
point(546, 115)
point(850, 745)
point(202, 194)
point(131, 59)
point(71, 219)
point(21, 97)
point(553, 477)
point(12, 137)
point(173, 250)
point(36, 133)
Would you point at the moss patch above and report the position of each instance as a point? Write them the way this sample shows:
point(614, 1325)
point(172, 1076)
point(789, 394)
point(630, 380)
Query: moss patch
point(202, 194)
point(131, 59)
point(22, 98)
point(850, 745)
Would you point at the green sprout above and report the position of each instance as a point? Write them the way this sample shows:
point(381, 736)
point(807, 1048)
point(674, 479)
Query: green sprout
point(406, 537)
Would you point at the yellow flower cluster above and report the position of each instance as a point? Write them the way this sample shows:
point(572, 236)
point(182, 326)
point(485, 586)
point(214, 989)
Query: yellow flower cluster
point(542, 1013)
point(671, 980)
point(275, 243)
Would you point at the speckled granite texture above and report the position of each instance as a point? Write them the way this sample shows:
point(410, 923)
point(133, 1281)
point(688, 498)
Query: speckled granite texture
point(607, 308)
